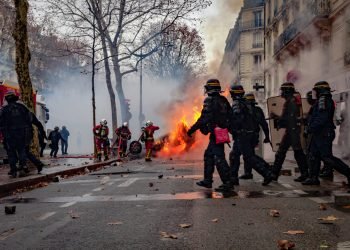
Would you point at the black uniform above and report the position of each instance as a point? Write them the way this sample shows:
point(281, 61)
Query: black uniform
point(244, 127)
point(216, 112)
point(55, 136)
point(235, 154)
point(321, 129)
point(291, 121)
point(16, 124)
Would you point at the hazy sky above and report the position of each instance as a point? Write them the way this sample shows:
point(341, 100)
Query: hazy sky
point(218, 19)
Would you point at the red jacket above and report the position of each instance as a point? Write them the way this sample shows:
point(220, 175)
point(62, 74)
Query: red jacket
point(149, 132)
point(124, 133)
point(101, 131)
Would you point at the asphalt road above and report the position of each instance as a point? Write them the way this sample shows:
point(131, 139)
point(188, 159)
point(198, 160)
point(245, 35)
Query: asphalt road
point(130, 207)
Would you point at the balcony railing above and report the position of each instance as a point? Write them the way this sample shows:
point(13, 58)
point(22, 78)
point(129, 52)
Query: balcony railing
point(253, 24)
point(257, 45)
point(316, 9)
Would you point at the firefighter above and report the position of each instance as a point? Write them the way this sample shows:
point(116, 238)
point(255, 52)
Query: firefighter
point(216, 112)
point(291, 120)
point(258, 113)
point(321, 130)
point(148, 138)
point(55, 137)
point(123, 135)
point(243, 127)
point(16, 125)
point(101, 132)
point(327, 170)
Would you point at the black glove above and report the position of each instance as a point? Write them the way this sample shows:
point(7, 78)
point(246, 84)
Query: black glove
point(267, 140)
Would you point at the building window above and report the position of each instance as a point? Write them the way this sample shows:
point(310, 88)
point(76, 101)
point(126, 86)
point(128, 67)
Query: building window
point(258, 18)
point(257, 40)
point(257, 62)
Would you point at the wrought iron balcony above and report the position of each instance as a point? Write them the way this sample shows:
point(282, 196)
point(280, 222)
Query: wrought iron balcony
point(257, 45)
point(253, 24)
point(315, 9)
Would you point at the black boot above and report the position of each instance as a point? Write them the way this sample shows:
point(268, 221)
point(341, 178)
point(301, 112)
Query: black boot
point(301, 178)
point(263, 168)
point(204, 183)
point(246, 176)
point(267, 180)
point(235, 181)
point(311, 181)
point(226, 187)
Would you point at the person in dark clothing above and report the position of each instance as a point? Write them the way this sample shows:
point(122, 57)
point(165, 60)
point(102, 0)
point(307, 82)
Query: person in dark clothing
point(55, 137)
point(16, 125)
point(42, 143)
point(321, 130)
point(259, 116)
point(327, 171)
point(243, 129)
point(64, 143)
point(123, 135)
point(291, 120)
point(216, 113)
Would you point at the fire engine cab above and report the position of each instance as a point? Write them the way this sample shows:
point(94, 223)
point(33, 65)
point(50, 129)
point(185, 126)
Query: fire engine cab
point(41, 111)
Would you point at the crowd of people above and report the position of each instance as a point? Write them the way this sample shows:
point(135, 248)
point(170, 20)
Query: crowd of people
point(16, 122)
point(243, 119)
point(123, 133)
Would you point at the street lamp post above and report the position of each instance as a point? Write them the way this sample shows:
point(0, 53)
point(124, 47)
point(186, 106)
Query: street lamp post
point(141, 115)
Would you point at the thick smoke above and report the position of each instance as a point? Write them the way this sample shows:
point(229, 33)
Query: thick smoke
point(219, 19)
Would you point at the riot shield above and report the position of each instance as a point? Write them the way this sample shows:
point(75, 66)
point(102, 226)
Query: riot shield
point(275, 105)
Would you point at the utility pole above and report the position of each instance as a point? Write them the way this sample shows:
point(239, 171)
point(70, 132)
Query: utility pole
point(141, 115)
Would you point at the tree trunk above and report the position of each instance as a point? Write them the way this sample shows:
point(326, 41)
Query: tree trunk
point(119, 85)
point(20, 35)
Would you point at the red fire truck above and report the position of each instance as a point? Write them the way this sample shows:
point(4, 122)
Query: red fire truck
point(41, 110)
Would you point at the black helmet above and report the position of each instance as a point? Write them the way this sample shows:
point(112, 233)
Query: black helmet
point(212, 86)
point(322, 88)
point(56, 128)
point(11, 96)
point(287, 89)
point(309, 98)
point(250, 98)
point(236, 91)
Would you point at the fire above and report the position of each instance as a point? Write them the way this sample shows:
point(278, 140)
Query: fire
point(177, 141)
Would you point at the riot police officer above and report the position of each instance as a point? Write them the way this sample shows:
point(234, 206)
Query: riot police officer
point(327, 170)
point(16, 125)
point(243, 129)
point(291, 120)
point(321, 129)
point(216, 112)
point(258, 113)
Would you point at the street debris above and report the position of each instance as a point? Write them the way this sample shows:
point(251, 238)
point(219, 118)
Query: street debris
point(86, 170)
point(285, 244)
point(104, 180)
point(324, 245)
point(10, 209)
point(322, 206)
point(185, 225)
point(160, 176)
point(150, 184)
point(215, 220)
point(6, 233)
point(347, 206)
point(328, 220)
point(115, 223)
point(274, 213)
point(168, 236)
point(73, 215)
point(294, 232)
point(56, 179)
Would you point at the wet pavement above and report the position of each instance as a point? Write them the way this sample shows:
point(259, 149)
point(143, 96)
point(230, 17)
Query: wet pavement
point(128, 206)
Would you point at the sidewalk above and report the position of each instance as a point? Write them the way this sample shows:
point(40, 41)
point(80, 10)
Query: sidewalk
point(54, 167)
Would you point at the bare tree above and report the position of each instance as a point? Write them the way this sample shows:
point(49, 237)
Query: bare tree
point(20, 35)
point(180, 55)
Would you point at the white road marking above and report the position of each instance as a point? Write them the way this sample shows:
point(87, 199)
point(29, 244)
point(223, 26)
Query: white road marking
point(320, 200)
point(128, 182)
point(286, 185)
point(46, 215)
point(110, 183)
point(97, 189)
point(85, 195)
point(69, 204)
point(299, 191)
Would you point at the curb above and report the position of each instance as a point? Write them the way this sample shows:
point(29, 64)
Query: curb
point(32, 183)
